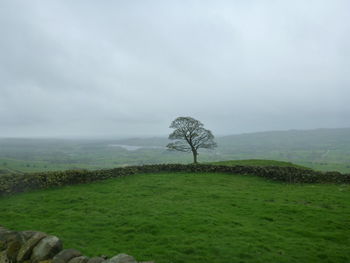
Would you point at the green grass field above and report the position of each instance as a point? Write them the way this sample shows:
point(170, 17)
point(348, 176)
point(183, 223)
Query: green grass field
point(180, 217)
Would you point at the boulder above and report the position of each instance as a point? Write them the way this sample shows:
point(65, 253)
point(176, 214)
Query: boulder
point(28, 234)
point(6, 237)
point(65, 255)
point(3, 257)
point(96, 260)
point(121, 258)
point(37, 247)
point(14, 243)
point(2, 229)
point(81, 259)
point(46, 249)
point(26, 249)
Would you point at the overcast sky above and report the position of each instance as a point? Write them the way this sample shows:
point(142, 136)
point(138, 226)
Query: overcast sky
point(128, 68)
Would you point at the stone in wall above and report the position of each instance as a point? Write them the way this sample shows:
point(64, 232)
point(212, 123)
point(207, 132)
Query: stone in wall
point(38, 247)
point(66, 255)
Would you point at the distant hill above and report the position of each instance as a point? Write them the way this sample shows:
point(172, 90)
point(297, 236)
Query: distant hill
point(291, 139)
point(318, 139)
point(147, 142)
point(260, 142)
point(321, 149)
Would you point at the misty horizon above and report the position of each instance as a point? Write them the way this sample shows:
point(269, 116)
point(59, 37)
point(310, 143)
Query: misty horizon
point(161, 136)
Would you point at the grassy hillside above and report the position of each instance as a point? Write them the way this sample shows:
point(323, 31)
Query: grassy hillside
point(321, 149)
point(183, 217)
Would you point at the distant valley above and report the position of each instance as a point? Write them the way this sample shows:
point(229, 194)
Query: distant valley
point(321, 149)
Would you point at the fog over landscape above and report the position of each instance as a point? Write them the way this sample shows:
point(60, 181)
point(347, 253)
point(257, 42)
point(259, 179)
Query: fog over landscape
point(184, 131)
point(128, 68)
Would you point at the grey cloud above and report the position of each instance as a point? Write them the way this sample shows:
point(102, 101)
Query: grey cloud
point(131, 67)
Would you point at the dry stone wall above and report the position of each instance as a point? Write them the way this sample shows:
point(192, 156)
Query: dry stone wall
point(38, 247)
point(16, 183)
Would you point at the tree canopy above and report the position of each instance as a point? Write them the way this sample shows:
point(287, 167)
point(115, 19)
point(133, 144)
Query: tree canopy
point(189, 136)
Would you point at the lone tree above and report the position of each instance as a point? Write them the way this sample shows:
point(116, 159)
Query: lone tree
point(190, 136)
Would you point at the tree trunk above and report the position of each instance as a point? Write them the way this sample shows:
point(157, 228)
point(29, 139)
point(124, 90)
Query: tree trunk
point(194, 156)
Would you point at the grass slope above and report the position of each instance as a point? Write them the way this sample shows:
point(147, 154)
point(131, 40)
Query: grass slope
point(180, 217)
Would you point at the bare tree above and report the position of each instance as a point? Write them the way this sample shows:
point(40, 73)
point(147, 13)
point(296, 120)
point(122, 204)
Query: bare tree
point(190, 136)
